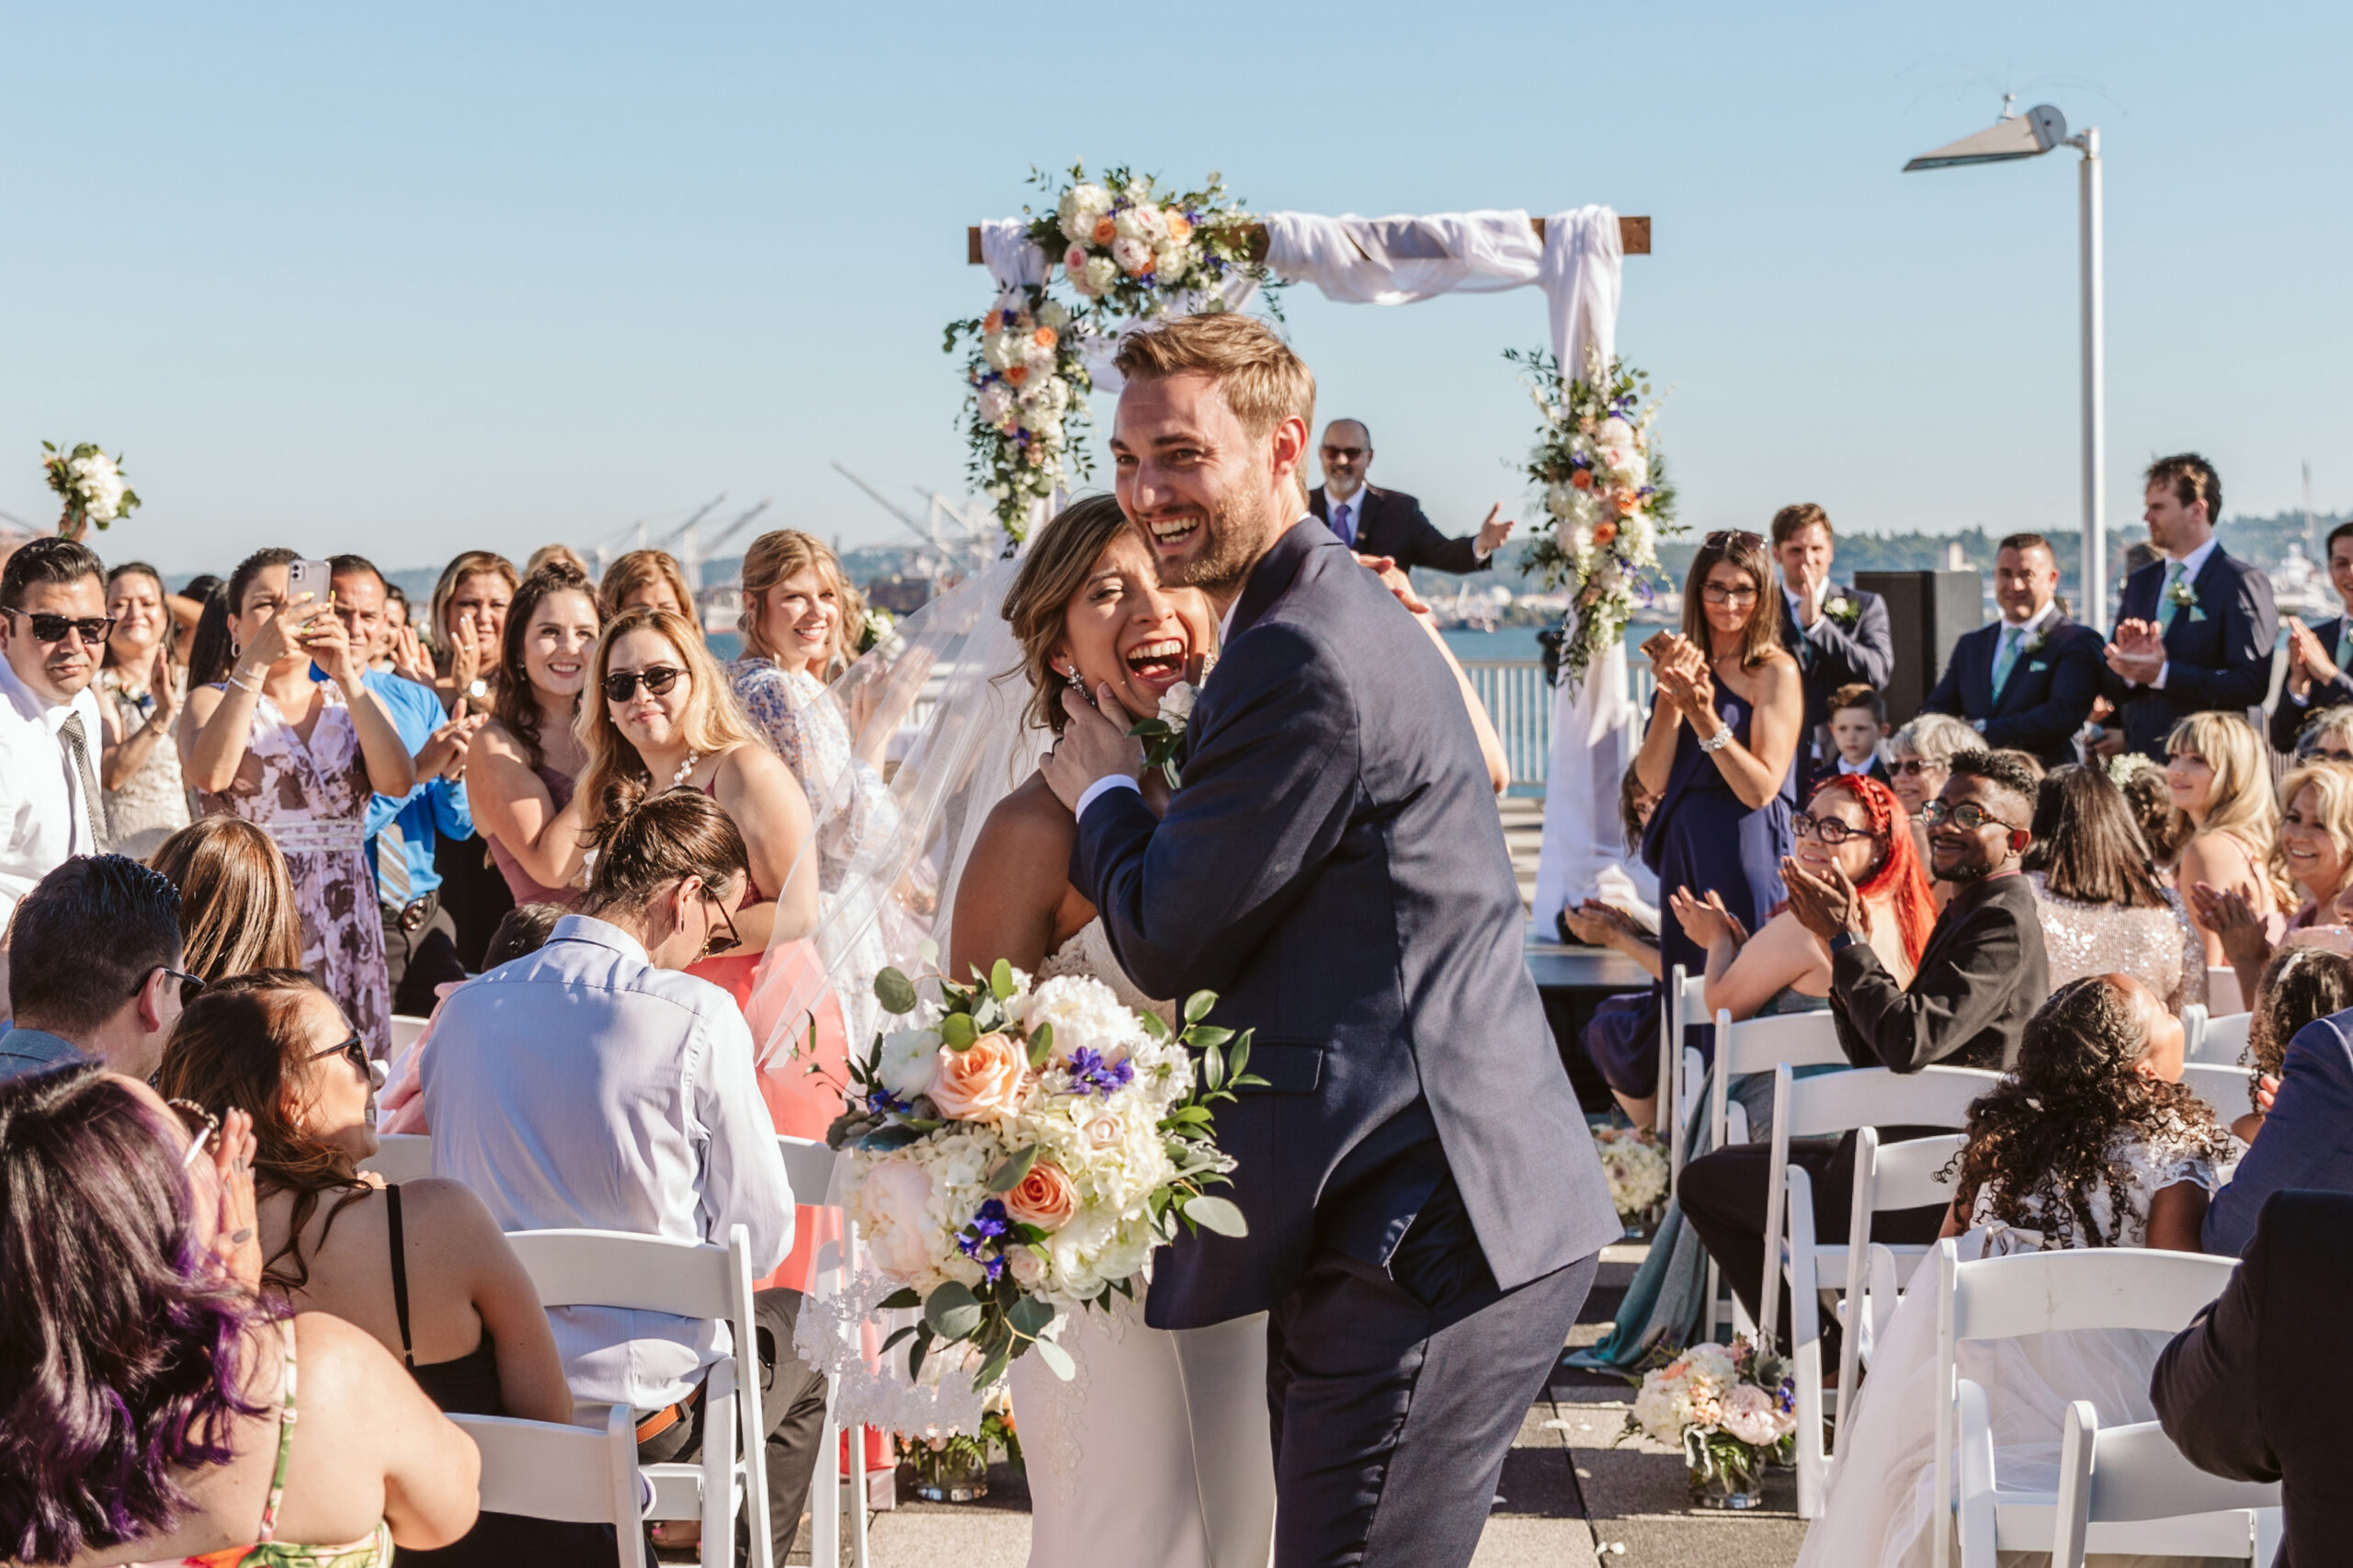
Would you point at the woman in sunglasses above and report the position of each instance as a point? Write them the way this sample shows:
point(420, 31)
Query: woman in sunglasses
point(521, 767)
point(421, 1266)
point(151, 1398)
point(1719, 753)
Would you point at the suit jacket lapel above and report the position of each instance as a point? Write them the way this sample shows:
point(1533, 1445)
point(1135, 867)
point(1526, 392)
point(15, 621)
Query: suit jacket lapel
point(1277, 569)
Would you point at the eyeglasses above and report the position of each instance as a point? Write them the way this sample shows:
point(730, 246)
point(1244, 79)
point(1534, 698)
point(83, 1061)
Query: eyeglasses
point(621, 685)
point(202, 1127)
point(354, 1051)
point(714, 943)
point(1969, 816)
point(1829, 830)
point(1724, 539)
point(1348, 453)
point(1737, 594)
point(189, 983)
point(1915, 767)
point(95, 629)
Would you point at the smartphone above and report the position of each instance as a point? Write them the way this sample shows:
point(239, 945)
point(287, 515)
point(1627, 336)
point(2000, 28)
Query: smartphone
point(309, 577)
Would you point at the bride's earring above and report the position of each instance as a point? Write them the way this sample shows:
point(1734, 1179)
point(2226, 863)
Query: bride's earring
point(1077, 682)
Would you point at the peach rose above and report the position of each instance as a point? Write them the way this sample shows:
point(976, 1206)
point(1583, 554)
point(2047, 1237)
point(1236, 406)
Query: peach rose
point(1181, 228)
point(1581, 480)
point(1044, 337)
point(1604, 532)
point(1045, 1198)
point(1105, 230)
point(1017, 374)
point(982, 1082)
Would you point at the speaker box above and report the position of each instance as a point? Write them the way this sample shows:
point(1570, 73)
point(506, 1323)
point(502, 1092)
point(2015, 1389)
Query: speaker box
point(1928, 611)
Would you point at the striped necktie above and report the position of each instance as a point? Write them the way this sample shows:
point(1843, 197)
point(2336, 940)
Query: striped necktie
point(1344, 526)
point(77, 749)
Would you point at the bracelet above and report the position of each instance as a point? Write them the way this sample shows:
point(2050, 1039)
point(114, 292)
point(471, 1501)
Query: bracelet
point(1717, 742)
point(253, 687)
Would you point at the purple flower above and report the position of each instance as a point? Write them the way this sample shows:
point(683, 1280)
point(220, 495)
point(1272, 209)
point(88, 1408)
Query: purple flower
point(882, 1102)
point(986, 1225)
point(1090, 1074)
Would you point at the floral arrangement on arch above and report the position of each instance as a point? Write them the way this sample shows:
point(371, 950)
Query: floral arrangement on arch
point(1729, 1408)
point(1607, 499)
point(1120, 248)
point(1013, 1152)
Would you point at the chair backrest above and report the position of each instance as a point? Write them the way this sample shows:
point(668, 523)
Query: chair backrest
point(1872, 1097)
point(2043, 1292)
point(808, 1166)
point(575, 1474)
point(2193, 1029)
point(2223, 1087)
point(1902, 1176)
point(650, 1274)
point(2122, 1474)
point(1759, 1045)
point(2222, 991)
point(406, 1026)
point(401, 1156)
point(2222, 1040)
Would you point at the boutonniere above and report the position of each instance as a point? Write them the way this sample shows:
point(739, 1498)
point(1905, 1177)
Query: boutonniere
point(2034, 644)
point(2181, 593)
point(1164, 735)
point(1842, 609)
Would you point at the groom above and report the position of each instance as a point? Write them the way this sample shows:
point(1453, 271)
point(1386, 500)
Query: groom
point(1424, 1203)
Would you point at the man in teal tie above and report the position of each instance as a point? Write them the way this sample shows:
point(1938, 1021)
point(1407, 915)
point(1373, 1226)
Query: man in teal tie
point(2026, 682)
point(2320, 656)
point(2195, 628)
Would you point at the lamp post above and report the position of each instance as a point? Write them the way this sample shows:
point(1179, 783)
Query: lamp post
point(2031, 135)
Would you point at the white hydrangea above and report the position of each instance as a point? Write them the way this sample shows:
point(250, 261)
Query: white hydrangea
point(1002, 351)
point(1082, 207)
point(1056, 314)
point(1083, 1012)
point(1133, 256)
point(1101, 273)
point(1038, 356)
point(1172, 262)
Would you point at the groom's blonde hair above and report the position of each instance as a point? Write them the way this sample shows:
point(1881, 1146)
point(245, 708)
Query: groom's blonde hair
point(1262, 380)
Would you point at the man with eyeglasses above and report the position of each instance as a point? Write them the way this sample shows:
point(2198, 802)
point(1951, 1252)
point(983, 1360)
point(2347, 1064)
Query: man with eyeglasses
point(53, 629)
point(1372, 521)
point(96, 974)
point(1981, 975)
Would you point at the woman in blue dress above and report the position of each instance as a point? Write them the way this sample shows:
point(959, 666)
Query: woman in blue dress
point(1719, 753)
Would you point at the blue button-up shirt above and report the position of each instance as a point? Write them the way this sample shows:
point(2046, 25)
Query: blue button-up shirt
point(24, 1051)
point(436, 806)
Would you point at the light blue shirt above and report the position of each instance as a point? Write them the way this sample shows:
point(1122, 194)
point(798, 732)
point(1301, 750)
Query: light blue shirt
point(579, 1086)
point(436, 807)
point(24, 1051)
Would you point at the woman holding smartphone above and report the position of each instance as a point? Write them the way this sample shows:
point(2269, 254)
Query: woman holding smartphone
point(262, 740)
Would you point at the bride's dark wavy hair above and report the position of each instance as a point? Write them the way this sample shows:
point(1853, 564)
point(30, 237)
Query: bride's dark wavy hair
point(2044, 1137)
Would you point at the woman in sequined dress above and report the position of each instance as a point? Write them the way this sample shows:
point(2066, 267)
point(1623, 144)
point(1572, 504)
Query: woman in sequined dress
point(2103, 909)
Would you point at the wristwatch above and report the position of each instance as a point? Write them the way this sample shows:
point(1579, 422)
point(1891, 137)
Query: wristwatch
point(1721, 739)
point(1841, 942)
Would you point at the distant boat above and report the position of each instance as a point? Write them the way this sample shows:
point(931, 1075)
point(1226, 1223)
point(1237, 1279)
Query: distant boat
point(2299, 589)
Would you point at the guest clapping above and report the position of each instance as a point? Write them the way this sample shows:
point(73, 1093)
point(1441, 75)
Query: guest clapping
point(1839, 636)
point(2320, 656)
point(142, 689)
point(151, 1402)
point(1723, 737)
point(469, 617)
point(2221, 784)
point(300, 758)
point(522, 768)
point(2316, 847)
point(2104, 908)
point(2300, 984)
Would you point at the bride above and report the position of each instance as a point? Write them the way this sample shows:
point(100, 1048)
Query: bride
point(1158, 1451)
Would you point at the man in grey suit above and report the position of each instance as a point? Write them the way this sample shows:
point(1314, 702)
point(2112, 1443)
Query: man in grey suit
point(1374, 522)
point(1424, 1205)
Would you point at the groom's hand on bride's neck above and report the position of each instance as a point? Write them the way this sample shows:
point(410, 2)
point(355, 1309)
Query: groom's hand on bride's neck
point(1092, 748)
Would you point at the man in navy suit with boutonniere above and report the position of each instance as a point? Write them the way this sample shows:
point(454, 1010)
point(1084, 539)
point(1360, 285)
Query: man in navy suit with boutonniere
point(2026, 682)
point(2194, 629)
point(1374, 522)
point(1839, 635)
point(2320, 658)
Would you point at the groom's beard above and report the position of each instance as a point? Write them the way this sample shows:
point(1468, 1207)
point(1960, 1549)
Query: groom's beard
point(1234, 535)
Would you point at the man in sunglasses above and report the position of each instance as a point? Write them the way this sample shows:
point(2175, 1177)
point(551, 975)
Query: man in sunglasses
point(97, 975)
point(1372, 521)
point(1981, 975)
point(53, 629)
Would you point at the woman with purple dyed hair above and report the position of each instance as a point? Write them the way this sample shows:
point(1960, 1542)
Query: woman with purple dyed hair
point(149, 1399)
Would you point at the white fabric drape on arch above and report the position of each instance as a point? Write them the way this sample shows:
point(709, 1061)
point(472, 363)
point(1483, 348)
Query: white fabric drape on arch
point(1580, 267)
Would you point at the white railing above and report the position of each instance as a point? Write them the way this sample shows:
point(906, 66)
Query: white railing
point(1519, 704)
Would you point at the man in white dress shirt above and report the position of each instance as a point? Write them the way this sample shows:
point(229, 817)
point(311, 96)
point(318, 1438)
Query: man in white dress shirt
point(590, 1084)
point(53, 631)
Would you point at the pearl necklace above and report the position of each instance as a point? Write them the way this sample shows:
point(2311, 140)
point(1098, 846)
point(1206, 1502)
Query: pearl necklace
point(685, 768)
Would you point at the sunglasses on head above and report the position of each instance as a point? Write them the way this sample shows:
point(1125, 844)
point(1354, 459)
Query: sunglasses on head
point(1724, 539)
point(621, 685)
point(202, 1127)
point(95, 629)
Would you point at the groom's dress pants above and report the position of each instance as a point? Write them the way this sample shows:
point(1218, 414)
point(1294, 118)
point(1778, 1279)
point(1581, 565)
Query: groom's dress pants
point(1397, 1393)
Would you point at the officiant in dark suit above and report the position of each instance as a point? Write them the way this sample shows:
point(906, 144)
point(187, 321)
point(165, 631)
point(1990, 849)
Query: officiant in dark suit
point(2319, 656)
point(1374, 522)
point(2026, 682)
point(2194, 628)
point(1839, 635)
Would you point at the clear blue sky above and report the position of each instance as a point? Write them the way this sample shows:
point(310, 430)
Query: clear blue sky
point(406, 279)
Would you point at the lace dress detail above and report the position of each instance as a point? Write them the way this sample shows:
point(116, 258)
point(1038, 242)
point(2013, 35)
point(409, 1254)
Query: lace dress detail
point(2158, 947)
point(2150, 1165)
point(152, 805)
point(1088, 952)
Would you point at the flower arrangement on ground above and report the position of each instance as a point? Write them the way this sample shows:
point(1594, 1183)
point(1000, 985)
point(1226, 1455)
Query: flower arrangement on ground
point(92, 485)
point(952, 1466)
point(1015, 1153)
point(1607, 499)
point(1636, 1167)
point(1729, 1408)
point(1119, 248)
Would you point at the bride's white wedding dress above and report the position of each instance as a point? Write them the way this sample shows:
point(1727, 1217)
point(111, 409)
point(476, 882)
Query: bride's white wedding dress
point(1156, 1454)
point(1880, 1507)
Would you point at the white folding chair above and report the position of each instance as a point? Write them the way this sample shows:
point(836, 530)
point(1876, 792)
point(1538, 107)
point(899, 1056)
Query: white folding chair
point(1808, 1108)
point(1684, 999)
point(1755, 1045)
point(406, 1026)
point(2040, 1292)
point(2223, 996)
point(2193, 1029)
point(2223, 1087)
point(690, 1279)
point(574, 1474)
point(810, 1166)
point(2134, 1475)
point(1901, 1176)
point(2222, 1040)
point(399, 1156)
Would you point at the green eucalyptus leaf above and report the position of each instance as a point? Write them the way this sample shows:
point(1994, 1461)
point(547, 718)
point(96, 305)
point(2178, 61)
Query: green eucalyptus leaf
point(901, 1300)
point(957, 1031)
point(1042, 1045)
point(952, 1311)
point(1030, 1317)
point(1217, 1214)
point(1213, 1067)
point(897, 1334)
point(1001, 979)
point(1057, 1359)
point(895, 992)
point(1202, 1036)
point(1008, 1177)
point(1197, 1006)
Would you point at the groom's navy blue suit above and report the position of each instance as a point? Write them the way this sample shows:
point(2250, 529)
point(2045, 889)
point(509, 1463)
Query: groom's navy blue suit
point(1423, 1202)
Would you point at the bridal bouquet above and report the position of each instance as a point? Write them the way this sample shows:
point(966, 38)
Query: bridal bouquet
point(1015, 1152)
point(1607, 499)
point(1636, 1167)
point(92, 485)
point(1729, 1408)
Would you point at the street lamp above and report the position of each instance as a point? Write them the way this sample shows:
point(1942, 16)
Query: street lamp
point(2031, 135)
